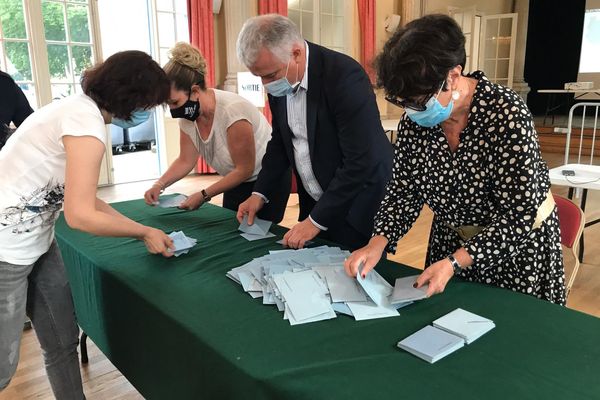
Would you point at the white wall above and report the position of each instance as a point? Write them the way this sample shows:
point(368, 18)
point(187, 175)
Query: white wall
point(591, 77)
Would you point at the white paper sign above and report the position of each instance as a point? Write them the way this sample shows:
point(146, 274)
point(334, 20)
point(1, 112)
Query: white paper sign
point(250, 87)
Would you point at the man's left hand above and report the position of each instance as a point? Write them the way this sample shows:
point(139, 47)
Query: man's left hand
point(300, 234)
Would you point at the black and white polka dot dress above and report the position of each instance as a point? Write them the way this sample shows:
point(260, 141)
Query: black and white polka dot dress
point(495, 179)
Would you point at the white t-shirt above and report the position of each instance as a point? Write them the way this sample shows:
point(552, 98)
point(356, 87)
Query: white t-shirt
point(230, 108)
point(32, 175)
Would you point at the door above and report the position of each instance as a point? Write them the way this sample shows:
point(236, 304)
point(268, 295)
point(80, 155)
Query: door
point(497, 47)
point(466, 19)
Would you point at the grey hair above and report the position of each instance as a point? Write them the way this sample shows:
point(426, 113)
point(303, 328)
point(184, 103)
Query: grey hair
point(274, 32)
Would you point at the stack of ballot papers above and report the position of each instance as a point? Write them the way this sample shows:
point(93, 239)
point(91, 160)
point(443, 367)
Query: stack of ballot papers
point(431, 343)
point(310, 285)
point(464, 324)
point(258, 230)
point(182, 243)
point(172, 201)
point(448, 334)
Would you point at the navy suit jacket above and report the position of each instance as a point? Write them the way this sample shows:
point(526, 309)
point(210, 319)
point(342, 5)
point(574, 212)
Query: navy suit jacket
point(350, 154)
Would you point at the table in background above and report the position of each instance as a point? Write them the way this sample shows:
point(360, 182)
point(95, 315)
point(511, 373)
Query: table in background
point(179, 329)
point(586, 177)
point(551, 106)
point(390, 126)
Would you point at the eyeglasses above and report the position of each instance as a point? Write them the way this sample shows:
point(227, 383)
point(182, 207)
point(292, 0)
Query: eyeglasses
point(413, 104)
point(407, 103)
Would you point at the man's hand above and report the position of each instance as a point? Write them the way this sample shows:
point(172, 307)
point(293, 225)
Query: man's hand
point(250, 207)
point(300, 234)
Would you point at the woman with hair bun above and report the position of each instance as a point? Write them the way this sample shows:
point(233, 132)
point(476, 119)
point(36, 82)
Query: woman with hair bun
point(224, 128)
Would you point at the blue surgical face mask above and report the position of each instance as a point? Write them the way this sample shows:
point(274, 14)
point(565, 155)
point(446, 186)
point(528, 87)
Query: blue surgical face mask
point(433, 114)
point(137, 117)
point(282, 87)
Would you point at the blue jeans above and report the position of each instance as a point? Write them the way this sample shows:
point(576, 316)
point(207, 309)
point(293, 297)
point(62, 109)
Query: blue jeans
point(42, 291)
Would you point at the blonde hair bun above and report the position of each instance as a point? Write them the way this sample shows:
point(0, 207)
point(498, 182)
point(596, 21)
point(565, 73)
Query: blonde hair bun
point(186, 54)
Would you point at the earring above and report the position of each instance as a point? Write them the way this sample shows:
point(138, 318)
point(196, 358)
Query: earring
point(455, 95)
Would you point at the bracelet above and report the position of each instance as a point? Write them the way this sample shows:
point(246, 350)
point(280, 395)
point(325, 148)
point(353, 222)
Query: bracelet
point(455, 264)
point(159, 183)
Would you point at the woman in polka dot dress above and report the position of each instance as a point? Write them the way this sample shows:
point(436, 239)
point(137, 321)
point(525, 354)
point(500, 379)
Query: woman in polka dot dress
point(468, 149)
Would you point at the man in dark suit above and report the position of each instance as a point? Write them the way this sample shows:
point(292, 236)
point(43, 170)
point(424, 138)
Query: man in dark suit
point(326, 125)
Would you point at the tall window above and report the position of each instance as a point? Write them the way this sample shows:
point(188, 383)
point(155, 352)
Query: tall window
point(68, 43)
point(321, 21)
point(172, 25)
point(45, 45)
point(15, 47)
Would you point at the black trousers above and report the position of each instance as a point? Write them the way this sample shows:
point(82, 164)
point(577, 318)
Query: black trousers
point(342, 232)
point(272, 211)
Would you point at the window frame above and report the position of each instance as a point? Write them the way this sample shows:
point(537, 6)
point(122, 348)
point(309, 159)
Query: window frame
point(37, 43)
point(156, 29)
point(348, 17)
point(29, 41)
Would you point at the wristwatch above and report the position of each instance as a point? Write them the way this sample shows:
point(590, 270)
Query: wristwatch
point(205, 195)
point(455, 264)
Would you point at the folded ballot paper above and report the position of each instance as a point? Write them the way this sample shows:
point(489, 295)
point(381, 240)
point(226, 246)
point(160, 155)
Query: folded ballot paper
point(172, 201)
point(310, 285)
point(258, 230)
point(405, 292)
point(182, 243)
point(448, 334)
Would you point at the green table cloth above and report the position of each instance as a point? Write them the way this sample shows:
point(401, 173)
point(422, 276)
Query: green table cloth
point(179, 329)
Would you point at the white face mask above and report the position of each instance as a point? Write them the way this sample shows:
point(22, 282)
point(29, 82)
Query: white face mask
point(282, 87)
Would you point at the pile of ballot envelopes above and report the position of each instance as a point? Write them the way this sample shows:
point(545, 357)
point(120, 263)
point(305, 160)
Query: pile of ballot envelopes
point(258, 230)
point(310, 285)
point(181, 243)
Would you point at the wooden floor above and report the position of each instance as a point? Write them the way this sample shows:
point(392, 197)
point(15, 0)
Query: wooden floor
point(103, 381)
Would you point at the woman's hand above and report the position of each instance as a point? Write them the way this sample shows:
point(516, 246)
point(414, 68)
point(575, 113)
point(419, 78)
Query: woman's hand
point(152, 194)
point(158, 242)
point(437, 276)
point(193, 202)
point(368, 256)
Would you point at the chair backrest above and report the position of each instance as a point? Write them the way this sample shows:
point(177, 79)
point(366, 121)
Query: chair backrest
point(584, 131)
point(571, 220)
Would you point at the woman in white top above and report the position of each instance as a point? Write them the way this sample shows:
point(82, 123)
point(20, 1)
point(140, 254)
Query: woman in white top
point(222, 127)
point(55, 156)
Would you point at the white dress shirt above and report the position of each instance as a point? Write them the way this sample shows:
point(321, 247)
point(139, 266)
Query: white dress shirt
point(296, 115)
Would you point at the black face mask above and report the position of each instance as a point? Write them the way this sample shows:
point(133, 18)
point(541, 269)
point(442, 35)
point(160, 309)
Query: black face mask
point(190, 110)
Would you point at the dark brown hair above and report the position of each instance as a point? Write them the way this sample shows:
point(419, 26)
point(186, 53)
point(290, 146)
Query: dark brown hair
point(126, 81)
point(417, 58)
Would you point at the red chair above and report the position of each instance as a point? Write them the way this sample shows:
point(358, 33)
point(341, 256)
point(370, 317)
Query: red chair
point(572, 221)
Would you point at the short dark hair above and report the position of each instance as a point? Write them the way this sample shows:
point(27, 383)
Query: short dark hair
point(417, 58)
point(126, 81)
